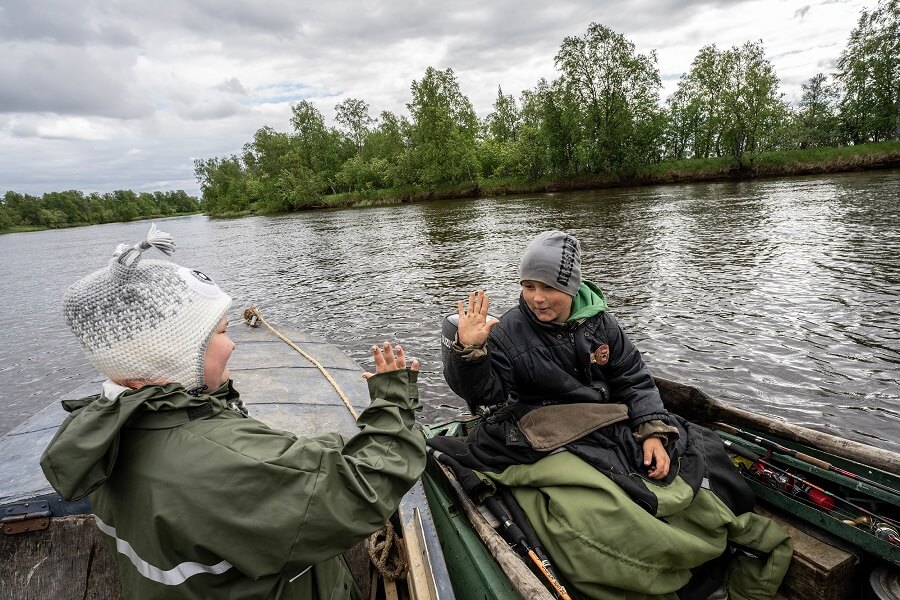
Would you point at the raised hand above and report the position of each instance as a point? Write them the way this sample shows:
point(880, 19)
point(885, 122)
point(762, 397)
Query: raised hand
point(473, 326)
point(388, 360)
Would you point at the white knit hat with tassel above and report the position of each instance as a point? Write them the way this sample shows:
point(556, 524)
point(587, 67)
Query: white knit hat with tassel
point(146, 320)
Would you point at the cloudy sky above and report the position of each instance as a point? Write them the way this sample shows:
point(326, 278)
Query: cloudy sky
point(101, 95)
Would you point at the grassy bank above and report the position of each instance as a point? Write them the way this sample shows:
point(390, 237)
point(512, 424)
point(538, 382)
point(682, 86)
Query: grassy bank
point(785, 163)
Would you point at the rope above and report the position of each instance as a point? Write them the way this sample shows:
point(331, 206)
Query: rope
point(386, 551)
point(386, 554)
point(252, 316)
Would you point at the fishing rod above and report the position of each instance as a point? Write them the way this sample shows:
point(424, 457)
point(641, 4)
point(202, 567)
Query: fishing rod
point(812, 460)
point(511, 532)
point(884, 527)
point(531, 537)
point(516, 537)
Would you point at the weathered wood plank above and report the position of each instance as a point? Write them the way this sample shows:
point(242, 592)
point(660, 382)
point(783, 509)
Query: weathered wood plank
point(818, 570)
point(695, 405)
point(67, 561)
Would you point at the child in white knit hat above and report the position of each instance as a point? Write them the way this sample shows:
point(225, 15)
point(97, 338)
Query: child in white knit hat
point(196, 499)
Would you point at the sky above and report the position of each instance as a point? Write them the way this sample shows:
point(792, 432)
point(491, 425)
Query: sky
point(99, 96)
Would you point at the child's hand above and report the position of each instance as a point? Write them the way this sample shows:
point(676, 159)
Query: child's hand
point(387, 360)
point(474, 326)
point(656, 459)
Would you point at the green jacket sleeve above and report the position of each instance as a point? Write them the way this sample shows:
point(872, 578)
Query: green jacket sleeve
point(358, 486)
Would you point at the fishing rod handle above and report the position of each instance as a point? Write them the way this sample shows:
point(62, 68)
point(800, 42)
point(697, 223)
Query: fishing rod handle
point(773, 446)
point(816, 462)
point(741, 451)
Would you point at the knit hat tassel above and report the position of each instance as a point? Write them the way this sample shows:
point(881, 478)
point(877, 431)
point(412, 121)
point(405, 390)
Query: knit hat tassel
point(130, 255)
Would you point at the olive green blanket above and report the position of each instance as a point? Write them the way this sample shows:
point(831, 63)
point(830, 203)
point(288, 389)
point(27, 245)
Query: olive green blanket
point(609, 548)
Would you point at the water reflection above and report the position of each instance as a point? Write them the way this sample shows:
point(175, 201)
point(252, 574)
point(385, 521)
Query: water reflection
point(778, 295)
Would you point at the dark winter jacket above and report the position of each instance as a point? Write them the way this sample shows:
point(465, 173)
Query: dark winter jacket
point(587, 359)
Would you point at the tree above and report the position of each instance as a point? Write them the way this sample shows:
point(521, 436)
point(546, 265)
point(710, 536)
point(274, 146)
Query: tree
point(264, 159)
point(550, 132)
point(869, 73)
point(616, 91)
point(353, 114)
point(320, 149)
point(503, 121)
point(223, 185)
point(728, 103)
point(753, 111)
point(696, 109)
point(501, 128)
point(444, 130)
point(817, 120)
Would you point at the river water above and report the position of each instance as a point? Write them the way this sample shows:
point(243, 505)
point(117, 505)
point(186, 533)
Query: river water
point(781, 296)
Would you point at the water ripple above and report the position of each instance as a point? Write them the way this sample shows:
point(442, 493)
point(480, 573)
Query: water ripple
point(780, 296)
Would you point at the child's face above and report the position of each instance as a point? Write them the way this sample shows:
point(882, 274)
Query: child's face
point(547, 303)
point(215, 369)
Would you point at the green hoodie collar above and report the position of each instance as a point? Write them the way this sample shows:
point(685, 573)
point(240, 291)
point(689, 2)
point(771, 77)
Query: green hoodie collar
point(589, 301)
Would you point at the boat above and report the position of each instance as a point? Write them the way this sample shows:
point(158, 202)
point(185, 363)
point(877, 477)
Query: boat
point(834, 559)
point(51, 548)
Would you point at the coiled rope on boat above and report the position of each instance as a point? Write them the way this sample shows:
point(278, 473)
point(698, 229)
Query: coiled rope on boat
point(385, 547)
point(386, 552)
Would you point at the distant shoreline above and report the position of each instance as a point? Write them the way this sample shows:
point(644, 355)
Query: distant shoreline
point(787, 163)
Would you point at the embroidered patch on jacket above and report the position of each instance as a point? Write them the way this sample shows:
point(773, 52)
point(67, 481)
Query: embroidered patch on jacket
point(600, 356)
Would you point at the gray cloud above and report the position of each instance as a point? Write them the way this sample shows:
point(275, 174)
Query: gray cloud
point(68, 23)
point(45, 78)
point(232, 85)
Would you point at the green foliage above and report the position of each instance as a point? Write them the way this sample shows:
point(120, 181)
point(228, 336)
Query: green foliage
point(614, 92)
point(816, 121)
point(353, 114)
point(599, 121)
point(869, 73)
point(727, 104)
point(223, 185)
point(444, 130)
point(72, 207)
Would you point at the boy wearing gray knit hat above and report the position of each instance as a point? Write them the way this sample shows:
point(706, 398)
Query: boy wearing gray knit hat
point(553, 258)
point(195, 499)
point(556, 372)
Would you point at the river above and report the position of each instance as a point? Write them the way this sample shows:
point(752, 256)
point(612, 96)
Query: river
point(781, 296)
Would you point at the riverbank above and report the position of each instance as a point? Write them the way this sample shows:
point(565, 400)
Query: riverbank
point(784, 163)
point(27, 228)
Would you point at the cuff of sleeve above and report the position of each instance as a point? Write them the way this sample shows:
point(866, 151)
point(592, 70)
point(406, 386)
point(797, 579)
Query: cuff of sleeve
point(398, 387)
point(469, 352)
point(656, 428)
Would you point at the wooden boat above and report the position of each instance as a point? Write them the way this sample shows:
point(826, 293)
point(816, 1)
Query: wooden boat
point(52, 549)
point(832, 559)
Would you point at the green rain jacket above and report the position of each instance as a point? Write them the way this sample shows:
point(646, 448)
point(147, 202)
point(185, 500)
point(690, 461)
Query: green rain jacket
point(198, 501)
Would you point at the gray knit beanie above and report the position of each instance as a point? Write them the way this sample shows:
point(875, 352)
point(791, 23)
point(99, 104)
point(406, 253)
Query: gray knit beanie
point(553, 258)
point(146, 320)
